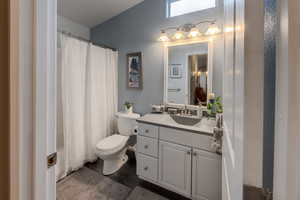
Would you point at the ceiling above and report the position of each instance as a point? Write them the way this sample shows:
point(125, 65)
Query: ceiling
point(93, 12)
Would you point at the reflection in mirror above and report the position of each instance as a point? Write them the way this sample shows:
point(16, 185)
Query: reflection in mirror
point(197, 72)
point(188, 74)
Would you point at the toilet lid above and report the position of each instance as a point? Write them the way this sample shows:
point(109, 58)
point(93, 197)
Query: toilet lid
point(112, 142)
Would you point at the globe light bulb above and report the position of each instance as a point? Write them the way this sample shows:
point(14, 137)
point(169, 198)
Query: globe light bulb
point(164, 37)
point(194, 33)
point(212, 29)
point(178, 35)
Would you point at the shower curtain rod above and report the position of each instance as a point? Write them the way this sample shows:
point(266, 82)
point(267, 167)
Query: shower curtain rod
point(85, 40)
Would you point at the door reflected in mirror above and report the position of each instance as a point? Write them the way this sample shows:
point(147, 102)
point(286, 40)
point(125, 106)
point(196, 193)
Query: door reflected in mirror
point(197, 72)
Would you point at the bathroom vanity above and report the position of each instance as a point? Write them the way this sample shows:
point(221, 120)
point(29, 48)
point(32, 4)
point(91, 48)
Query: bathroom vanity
point(178, 157)
point(178, 151)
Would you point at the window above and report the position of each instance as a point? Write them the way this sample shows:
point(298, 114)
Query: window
point(181, 7)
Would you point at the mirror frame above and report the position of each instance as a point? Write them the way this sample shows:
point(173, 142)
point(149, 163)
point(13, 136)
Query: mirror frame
point(209, 41)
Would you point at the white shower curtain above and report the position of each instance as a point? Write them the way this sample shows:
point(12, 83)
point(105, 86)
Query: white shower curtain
point(88, 92)
point(101, 96)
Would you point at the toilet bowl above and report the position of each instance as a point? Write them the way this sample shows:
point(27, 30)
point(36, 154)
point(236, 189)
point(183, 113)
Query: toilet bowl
point(112, 150)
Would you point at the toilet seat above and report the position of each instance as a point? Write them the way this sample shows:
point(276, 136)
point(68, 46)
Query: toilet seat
point(112, 144)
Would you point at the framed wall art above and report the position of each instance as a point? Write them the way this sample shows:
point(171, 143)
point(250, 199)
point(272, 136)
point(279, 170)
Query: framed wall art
point(134, 71)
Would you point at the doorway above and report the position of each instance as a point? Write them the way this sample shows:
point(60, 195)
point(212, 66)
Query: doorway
point(46, 115)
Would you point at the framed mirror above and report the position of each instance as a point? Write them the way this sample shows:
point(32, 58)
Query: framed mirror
point(188, 73)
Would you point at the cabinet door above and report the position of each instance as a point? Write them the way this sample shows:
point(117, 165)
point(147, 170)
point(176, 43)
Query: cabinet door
point(146, 167)
point(175, 166)
point(207, 183)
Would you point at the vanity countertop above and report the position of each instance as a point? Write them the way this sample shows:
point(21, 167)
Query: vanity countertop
point(205, 126)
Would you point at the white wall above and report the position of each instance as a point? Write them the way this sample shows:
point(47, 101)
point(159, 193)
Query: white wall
point(254, 82)
point(67, 25)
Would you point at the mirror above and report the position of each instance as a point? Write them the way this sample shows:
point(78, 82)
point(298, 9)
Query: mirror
point(189, 71)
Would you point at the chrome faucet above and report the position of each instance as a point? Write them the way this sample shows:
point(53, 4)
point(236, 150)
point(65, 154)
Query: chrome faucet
point(184, 110)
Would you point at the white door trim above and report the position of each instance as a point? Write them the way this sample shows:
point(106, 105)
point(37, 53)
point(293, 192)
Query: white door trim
point(281, 112)
point(31, 25)
point(21, 120)
point(45, 98)
point(234, 104)
point(287, 139)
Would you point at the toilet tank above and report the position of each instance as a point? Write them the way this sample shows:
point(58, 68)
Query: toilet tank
point(127, 123)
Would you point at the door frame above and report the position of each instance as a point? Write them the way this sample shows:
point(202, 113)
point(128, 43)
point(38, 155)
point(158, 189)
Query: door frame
point(287, 139)
point(15, 98)
point(19, 114)
point(33, 27)
point(45, 89)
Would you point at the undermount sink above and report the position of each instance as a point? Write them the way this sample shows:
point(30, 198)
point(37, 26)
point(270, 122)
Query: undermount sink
point(185, 120)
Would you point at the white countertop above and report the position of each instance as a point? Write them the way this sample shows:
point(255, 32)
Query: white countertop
point(205, 126)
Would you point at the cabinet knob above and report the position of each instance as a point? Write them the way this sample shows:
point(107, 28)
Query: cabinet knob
point(194, 154)
point(145, 168)
point(146, 146)
point(146, 131)
point(188, 153)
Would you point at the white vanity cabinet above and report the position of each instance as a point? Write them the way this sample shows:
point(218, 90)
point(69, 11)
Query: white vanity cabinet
point(175, 170)
point(179, 160)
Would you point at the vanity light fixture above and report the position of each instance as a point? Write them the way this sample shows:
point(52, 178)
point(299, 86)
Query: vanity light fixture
point(190, 30)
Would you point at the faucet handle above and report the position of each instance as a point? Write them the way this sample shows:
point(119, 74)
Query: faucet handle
point(219, 120)
point(218, 133)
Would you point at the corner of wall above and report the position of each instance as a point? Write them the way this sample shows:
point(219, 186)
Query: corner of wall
point(67, 25)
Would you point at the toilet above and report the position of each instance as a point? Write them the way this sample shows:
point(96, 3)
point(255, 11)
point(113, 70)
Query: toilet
point(112, 150)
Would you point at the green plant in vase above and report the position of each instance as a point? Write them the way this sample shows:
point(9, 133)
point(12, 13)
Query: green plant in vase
point(214, 106)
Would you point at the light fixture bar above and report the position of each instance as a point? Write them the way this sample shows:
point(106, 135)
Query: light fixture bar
point(207, 21)
point(189, 30)
point(195, 24)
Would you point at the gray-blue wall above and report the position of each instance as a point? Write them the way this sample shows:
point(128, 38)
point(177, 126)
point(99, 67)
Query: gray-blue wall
point(138, 29)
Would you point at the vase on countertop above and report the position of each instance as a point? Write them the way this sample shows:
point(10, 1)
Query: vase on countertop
point(128, 110)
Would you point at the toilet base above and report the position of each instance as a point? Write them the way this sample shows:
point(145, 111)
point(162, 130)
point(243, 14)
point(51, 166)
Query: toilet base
point(112, 165)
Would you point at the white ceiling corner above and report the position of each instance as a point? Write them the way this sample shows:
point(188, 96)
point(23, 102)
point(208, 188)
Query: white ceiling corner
point(93, 12)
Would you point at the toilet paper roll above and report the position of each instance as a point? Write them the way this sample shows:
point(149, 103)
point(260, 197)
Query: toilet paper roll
point(135, 130)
